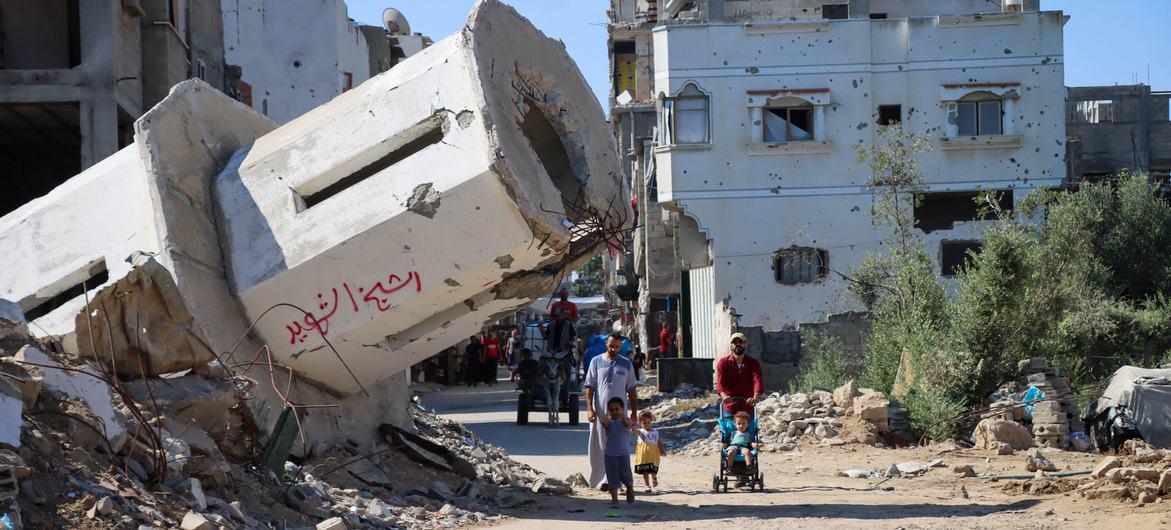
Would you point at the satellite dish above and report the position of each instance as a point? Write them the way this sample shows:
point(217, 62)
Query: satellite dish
point(395, 22)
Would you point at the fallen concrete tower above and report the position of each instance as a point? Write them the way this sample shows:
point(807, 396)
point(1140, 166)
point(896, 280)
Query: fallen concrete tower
point(347, 245)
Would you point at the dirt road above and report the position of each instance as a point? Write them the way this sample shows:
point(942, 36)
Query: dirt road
point(803, 489)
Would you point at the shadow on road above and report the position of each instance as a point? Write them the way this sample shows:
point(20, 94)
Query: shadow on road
point(648, 510)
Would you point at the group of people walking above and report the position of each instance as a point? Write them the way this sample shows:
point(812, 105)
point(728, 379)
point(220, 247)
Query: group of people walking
point(483, 354)
point(613, 414)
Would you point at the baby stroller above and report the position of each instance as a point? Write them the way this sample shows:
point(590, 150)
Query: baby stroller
point(740, 470)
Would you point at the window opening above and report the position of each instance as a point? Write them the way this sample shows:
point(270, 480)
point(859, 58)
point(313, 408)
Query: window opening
point(980, 115)
point(835, 11)
point(65, 290)
point(955, 255)
point(788, 124)
point(688, 115)
point(1094, 111)
point(890, 114)
point(624, 65)
point(941, 210)
point(878, 16)
point(796, 265)
point(401, 147)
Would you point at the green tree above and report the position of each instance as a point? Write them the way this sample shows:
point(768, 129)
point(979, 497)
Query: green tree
point(590, 279)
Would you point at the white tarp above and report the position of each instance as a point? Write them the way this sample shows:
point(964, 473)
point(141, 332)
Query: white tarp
point(1149, 404)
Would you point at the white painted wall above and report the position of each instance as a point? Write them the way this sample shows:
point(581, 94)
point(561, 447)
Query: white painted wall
point(752, 199)
point(293, 52)
point(101, 215)
point(353, 55)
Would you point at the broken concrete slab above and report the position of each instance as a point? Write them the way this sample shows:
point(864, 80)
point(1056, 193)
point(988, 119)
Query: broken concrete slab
point(358, 211)
point(1108, 463)
point(85, 386)
point(11, 411)
point(26, 381)
point(195, 521)
point(10, 311)
point(141, 326)
point(367, 472)
point(190, 399)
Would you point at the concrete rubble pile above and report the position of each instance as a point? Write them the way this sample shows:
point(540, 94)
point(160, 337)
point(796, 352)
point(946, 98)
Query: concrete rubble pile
point(62, 472)
point(847, 415)
point(219, 280)
point(1052, 413)
point(1140, 473)
point(340, 248)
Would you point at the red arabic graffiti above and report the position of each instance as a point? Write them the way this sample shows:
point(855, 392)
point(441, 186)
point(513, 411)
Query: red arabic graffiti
point(377, 297)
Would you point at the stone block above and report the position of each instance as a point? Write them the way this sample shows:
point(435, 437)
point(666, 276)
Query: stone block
point(1107, 464)
point(992, 432)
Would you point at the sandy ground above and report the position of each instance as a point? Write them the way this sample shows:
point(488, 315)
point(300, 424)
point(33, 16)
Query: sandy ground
point(802, 487)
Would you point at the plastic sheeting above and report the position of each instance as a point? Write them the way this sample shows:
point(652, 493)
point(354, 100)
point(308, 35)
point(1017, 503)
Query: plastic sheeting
point(1149, 404)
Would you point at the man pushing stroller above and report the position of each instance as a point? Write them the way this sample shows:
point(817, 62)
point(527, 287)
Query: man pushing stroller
point(738, 381)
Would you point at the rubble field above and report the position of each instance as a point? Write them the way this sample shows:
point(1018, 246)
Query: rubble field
point(66, 469)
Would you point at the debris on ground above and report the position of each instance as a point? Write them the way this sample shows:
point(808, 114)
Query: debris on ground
point(1041, 403)
point(687, 417)
point(93, 451)
point(1140, 474)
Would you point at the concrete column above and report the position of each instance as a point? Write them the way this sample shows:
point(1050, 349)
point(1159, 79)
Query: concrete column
point(1009, 116)
point(100, 19)
point(757, 124)
point(819, 123)
point(99, 129)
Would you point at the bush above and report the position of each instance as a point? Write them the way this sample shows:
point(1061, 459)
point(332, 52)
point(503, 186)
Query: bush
point(824, 364)
point(1080, 277)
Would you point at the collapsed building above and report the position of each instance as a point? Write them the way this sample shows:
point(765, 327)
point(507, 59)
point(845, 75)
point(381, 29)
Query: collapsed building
point(327, 255)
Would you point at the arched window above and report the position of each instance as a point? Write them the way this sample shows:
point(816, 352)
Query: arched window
point(980, 114)
point(686, 116)
point(788, 119)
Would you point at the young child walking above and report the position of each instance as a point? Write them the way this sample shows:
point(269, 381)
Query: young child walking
point(648, 450)
point(617, 455)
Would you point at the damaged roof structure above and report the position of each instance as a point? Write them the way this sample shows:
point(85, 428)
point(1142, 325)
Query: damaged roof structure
point(331, 253)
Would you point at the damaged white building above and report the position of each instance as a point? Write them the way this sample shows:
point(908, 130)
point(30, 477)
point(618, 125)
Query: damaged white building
point(345, 245)
point(761, 103)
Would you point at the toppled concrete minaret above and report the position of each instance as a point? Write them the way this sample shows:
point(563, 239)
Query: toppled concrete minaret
point(406, 213)
point(401, 217)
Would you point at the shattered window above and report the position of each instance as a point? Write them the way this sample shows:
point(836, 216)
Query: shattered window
point(788, 124)
point(1095, 111)
point(688, 116)
point(955, 255)
point(795, 265)
point(890, 114)
point(980, 115)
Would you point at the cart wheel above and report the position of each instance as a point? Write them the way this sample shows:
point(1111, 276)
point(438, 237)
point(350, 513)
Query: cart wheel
point(574, 406)
point(716, 483)
point(725, 486)
point(522, 410)
point(760, 482)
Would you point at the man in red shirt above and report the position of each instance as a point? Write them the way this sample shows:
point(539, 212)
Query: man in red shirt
point(563, 311)
point(738, 376)
point(491, 344)
point(666, 342)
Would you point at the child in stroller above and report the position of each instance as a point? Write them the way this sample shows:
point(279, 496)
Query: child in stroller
point(739, 440)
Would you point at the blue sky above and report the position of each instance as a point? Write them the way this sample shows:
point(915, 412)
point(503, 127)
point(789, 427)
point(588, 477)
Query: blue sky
point(1106, 41)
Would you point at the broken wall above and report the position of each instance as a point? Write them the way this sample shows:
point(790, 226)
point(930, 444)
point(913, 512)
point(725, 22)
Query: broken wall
point(780, 352)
